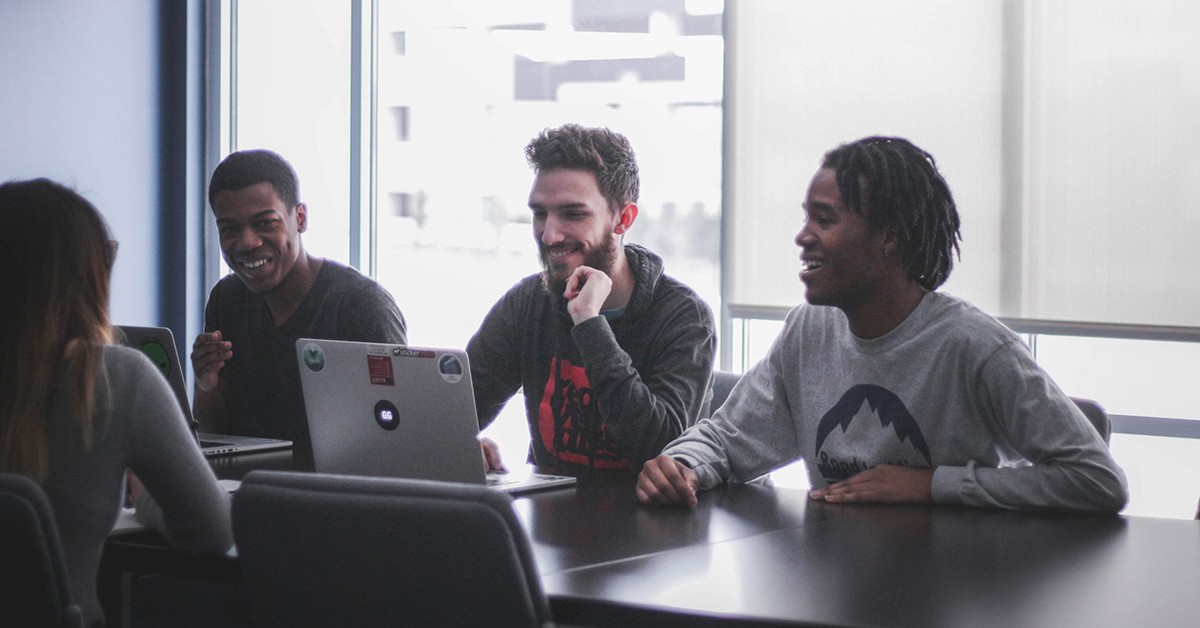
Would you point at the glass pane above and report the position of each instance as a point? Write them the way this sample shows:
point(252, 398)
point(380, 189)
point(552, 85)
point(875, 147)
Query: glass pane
point(293, 97)
point(464, 86)
point(1134, 377)
point(752, 338)
point(1162, 474)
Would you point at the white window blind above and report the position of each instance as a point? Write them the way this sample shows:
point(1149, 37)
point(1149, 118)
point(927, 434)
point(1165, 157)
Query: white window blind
point(1113, 163)
point(1067, 131)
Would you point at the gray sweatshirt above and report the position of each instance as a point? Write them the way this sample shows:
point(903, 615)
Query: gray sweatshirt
point(949, 389)
point(137, 425)
point(603, 394)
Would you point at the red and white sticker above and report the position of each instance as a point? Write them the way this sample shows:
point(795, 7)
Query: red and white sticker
point(380, 369)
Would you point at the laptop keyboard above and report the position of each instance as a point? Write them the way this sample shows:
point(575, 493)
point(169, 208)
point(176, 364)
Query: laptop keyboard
point(497, 479)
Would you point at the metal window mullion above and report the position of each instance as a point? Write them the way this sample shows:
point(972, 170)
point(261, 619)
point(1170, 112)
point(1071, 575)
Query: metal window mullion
point(725, 248)
point(363, 127)
point(220, 117)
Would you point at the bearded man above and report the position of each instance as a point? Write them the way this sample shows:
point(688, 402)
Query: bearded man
point(615, 357)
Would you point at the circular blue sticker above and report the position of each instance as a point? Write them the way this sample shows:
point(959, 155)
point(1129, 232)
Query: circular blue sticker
point(451, 368)
point(314, 357)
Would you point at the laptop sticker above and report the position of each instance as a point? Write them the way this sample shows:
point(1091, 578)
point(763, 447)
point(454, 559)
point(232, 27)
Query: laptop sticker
point(314, 357)
point(404, 352)
point(386, 414)
point(450, 368)
point(158, 355)
point(380, 368)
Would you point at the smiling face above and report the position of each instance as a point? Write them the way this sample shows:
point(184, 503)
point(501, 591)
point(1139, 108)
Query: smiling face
point(573, 225)
point(260, 238)
point(844, 262)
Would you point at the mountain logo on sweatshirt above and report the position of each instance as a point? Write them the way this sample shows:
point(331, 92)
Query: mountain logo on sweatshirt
point(569, 422)
point(871, 419)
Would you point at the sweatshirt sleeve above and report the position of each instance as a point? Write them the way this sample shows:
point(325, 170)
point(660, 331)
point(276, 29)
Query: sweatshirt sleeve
point(752, 433)
point(653, 405)
point(182, 500)
point(495, 360)
point(1070, 467)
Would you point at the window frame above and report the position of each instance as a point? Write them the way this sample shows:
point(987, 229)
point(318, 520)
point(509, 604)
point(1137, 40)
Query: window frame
point(220, 100)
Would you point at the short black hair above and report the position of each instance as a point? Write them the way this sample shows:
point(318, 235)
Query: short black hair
point(604, 152)
point(245, 168)
point(893, 183)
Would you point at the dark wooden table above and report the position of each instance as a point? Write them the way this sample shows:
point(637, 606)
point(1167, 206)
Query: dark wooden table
point(763, 555)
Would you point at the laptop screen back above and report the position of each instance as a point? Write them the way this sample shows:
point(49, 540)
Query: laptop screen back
point(158, 344)
point(390, 410)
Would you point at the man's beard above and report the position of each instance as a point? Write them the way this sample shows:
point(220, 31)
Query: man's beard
point(601, 258)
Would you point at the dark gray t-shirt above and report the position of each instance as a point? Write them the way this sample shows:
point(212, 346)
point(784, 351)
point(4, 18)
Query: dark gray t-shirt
point(261, 382)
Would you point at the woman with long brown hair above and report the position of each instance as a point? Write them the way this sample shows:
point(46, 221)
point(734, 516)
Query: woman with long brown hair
point(77, 412)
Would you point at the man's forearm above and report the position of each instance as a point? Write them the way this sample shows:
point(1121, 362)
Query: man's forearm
point(210, 411)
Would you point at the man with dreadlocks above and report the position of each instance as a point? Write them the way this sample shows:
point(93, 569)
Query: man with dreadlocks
point(615, 356)
point(889, 390)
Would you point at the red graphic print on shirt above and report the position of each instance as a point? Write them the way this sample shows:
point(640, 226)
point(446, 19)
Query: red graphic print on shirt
point(569, 420)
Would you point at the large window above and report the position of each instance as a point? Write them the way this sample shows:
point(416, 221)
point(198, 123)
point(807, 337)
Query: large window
point(463, 86)
point(1066, 130)
point(441, 99)
point(443, 106)
point(291, 94)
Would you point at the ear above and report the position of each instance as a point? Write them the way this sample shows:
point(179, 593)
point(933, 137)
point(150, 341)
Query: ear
point(625, 218)
point(301, 217)
point(890, 242)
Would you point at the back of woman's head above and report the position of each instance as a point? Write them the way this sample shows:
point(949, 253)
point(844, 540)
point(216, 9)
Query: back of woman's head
point(56, 257)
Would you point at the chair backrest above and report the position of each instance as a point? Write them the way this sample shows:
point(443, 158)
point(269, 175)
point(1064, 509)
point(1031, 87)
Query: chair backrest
point(723, 383)
point(324, 550)
point(34, 587)
point(1097, 415)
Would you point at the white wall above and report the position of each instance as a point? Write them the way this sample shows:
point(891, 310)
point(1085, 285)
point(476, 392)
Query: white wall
point(79, 104)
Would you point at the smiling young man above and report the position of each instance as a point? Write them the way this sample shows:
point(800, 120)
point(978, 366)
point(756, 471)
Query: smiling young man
point(614, 356)
point(889, 390)
point(247, 380)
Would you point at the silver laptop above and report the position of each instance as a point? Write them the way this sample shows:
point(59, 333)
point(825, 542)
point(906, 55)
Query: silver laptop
point(398, 411)
point(158, 343)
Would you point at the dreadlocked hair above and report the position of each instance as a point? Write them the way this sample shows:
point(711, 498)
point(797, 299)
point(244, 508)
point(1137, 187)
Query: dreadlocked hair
point(893, 183)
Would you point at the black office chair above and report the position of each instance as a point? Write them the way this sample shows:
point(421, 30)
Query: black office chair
point(328, 550)
point(34, 587)
point(723, 383)
point(1097, 415)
